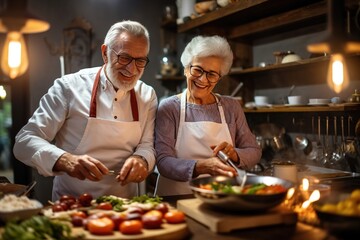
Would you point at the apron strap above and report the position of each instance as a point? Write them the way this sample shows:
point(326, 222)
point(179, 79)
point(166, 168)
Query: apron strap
point(133, 100)
point(93, 95)
point(134, 105)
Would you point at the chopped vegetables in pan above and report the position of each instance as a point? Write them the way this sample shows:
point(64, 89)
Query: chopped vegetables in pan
point(258, 188)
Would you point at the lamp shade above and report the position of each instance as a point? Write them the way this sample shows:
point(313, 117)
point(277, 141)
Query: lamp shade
point(336, 39)
point(16, 18)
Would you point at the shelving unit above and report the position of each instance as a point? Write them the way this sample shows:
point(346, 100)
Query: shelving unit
point(326, 108)
point(246, 22)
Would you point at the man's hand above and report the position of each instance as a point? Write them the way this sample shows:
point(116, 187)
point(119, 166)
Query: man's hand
point(81, 167)
point(135, 169)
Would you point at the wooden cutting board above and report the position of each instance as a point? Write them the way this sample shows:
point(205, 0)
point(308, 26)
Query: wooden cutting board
point(167, 231)
point(221, 221)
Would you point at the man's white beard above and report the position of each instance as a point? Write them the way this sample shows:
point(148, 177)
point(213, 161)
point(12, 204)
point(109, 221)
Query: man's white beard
point(124, 86)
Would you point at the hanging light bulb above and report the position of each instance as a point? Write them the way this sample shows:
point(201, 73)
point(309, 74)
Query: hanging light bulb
point(14, 61)
point(15, 22)
point(338, 77)
point(337, 43)
point(2, 92)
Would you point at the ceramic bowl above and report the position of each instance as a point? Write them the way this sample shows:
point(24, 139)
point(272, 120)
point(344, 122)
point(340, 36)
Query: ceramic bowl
point(261, 100)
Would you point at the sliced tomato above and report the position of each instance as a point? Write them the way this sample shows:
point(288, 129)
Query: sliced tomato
point(152, 219)
point(104, 206)
point(174, 216)
point(131, 227)
point(101, 226)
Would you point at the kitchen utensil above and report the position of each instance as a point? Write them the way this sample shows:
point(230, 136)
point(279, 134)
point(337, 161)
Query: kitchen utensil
point(240, 202)
point(241, 174)
point(26, 191)
point(237, 89)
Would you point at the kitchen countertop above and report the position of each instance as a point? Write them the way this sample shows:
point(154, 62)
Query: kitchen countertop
point(298, 231)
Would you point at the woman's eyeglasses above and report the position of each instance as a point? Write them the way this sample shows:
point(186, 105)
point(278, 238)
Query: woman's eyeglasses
point(125, 59)
point(212, 77)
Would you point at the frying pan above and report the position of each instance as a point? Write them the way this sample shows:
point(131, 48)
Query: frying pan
point(337, 224)
point(240, 202)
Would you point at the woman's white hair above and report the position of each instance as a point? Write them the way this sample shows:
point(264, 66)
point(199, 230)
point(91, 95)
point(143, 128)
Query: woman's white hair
point(135, 28)
point(207, 46)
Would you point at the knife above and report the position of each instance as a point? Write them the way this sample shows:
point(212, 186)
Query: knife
point(241, 174)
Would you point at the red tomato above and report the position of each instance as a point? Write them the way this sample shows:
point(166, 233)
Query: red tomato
point(117, 220)
point(174, 216)
point(65, 198)
point(131, 227)
point(162, 207)
point(77, 221)
point(152, 219)
point(79, 214)
point(104, 206)
point(100, 226)
point(57, 208)
point(85, 199)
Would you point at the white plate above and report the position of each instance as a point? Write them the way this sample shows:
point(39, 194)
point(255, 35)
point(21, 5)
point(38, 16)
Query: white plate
point(295, 105)
point(318, 104)
point(21, 214)
point(264, 106)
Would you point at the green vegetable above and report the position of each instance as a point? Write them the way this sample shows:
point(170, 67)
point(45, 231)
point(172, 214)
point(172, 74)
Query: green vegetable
point(37, 227)
point(146, 199)
point(116, 202)
point(255, 188)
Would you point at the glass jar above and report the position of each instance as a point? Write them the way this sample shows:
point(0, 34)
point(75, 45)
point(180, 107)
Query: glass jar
point(168, 66)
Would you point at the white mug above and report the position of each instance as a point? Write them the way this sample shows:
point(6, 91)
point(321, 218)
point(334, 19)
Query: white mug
point(285, 170)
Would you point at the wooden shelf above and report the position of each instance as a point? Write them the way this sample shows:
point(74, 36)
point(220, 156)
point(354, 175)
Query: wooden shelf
point(249, 20)
point(283, 108)
point(239, 71)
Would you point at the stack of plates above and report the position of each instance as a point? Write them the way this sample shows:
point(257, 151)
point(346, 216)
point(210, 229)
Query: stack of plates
point(319, 101)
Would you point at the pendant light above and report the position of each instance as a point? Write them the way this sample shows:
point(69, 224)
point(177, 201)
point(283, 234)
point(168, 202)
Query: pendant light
point(15, 22)
point(337, 43)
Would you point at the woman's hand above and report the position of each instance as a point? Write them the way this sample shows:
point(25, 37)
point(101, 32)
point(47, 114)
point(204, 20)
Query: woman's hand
point(213, 166)
point(228, 149)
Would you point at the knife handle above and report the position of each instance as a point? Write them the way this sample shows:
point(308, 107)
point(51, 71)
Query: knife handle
point(223, 156)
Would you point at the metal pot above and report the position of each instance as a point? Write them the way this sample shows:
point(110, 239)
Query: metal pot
point(271, 135)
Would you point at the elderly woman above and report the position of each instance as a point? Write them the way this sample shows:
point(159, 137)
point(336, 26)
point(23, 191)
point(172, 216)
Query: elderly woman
point(193, 126)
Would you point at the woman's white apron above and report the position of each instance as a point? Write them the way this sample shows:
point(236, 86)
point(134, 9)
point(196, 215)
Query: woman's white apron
point(193, 142)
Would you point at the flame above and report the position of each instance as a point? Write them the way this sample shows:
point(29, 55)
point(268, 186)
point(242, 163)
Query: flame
point(290, 193)
point(305, 184)
point(315, 195)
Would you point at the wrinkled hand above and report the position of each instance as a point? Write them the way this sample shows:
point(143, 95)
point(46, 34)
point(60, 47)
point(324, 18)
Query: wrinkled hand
point(81, 167)
point(134, 170)
point(214, 166)
point(228, 149)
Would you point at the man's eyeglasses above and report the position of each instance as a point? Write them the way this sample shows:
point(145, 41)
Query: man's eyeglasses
point(211, 76)
point(125, 59)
